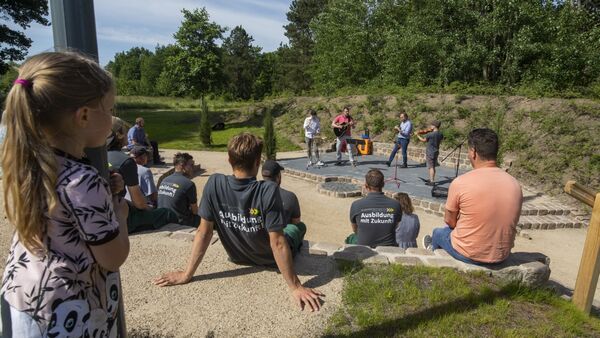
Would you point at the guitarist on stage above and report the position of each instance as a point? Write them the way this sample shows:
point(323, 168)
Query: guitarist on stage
point(342, 127)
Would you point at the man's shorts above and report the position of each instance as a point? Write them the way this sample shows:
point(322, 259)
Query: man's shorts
point(432, 159)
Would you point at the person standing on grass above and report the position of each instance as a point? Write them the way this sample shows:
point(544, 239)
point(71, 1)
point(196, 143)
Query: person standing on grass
point(402, 140)
point(343, 123)
point(61, 277)
point(137, 136)
point(483, 207)
point(433, 139)
point(409, 227)
point(177, 192)
point(312, 127)
point(374, 218)
point(248, 216)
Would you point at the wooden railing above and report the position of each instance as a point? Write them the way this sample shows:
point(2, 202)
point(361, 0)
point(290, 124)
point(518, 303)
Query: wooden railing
point(589, 267)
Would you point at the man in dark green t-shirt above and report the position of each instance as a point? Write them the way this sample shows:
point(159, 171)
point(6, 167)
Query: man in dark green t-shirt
point(374, 218)
point(248, 215)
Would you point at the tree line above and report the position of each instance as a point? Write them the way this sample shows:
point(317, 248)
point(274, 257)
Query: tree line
point(547, 45)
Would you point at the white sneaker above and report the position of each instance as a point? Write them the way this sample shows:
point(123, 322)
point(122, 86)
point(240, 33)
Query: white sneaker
point(320, 163)
point(427, 242)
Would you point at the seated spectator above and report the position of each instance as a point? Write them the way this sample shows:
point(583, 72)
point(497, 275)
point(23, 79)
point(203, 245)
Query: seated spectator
point(137, 136)
point(248, 215)
point(178, 193)
point(141, 215)
point(374, 217)
point(409, 227)
point(483, 207)
point(271, 171)
point(145, 176)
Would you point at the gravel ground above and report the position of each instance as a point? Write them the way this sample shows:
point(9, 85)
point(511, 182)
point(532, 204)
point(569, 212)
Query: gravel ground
point(225, 299)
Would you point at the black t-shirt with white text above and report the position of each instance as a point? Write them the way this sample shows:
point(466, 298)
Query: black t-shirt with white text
point(244, 212)
point(124, 165)
point(291, 206)
point(177, 192)
point(376, 217)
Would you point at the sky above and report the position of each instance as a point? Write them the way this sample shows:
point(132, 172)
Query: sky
point(122, 24)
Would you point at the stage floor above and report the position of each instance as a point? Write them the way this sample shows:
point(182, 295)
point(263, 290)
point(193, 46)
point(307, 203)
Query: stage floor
point(412, 179)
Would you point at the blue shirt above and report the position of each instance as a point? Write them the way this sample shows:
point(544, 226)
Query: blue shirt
point(405, 129)
point(136, 134)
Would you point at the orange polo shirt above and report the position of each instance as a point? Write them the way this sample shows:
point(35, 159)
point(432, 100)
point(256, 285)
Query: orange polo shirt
point(489, 204)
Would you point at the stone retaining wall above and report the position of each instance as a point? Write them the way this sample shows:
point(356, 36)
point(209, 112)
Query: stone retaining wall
point(417, 154)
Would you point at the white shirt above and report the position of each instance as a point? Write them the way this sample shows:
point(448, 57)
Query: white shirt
point(312, 126)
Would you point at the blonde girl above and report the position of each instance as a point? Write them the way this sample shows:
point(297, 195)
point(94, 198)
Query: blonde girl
point(71, 233)
point(409, 227)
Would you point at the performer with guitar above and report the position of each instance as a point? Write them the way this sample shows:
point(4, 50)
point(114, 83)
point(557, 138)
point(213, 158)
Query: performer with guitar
point(342, 128)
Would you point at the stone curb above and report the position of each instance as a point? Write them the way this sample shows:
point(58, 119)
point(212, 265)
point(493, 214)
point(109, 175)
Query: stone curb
point(532, 269)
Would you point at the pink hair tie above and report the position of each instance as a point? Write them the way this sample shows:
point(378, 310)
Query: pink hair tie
point(23, 82)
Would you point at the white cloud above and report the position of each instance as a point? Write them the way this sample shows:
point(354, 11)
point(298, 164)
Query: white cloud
point(129, 23)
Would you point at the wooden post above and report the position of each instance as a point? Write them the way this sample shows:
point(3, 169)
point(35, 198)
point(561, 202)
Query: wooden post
point(589, 267)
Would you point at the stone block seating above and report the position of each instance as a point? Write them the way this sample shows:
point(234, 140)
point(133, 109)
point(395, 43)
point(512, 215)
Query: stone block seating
point(531, 269)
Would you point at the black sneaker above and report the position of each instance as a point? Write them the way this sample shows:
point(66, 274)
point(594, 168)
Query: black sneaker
point(404, 166)
point(427, 242)
point(388, 163)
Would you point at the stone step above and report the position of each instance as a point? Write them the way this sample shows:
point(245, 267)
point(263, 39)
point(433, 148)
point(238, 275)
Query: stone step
point(549, 222)
point(541, 209)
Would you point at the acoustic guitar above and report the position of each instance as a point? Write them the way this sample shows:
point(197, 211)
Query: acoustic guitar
point(342, 130)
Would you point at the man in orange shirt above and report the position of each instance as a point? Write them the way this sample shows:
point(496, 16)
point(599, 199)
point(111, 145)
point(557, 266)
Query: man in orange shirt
point(483, 207)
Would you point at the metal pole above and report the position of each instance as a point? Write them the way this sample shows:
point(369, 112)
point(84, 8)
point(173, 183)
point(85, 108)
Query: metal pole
point(74, 29)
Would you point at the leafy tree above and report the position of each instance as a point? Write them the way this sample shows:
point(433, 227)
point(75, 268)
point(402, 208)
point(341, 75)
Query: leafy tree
point(240, 60)
point(343, 53)
point(168, 82)
point(205, 129)
point(198, 64)
point(127, 69)
point(269, 136)
point(263, 83)
point(13, 43)
point(296, 60)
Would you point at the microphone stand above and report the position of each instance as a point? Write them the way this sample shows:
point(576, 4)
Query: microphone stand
point(459, 148)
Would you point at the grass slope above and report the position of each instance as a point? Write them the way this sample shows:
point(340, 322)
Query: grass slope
point(404, 301)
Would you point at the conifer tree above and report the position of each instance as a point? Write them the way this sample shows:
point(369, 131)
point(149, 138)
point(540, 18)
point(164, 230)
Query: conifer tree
point(269, 136)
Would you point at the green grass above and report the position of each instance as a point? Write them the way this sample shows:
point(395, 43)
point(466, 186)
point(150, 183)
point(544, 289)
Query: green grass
point(404, 301)
point(180, 129)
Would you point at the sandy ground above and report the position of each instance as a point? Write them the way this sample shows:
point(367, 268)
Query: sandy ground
point(230, 300)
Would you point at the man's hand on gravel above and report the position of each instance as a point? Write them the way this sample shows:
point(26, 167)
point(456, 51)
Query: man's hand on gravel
point(307, 297)
point(172, 278)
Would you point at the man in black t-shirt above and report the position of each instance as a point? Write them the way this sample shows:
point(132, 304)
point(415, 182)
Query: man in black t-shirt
point(177, 192)
point(374, 218)
point(295, 231)
point(248, 216)
point(433, 139)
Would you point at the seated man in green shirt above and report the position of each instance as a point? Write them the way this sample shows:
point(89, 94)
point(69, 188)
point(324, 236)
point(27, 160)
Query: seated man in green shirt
point(249, 218)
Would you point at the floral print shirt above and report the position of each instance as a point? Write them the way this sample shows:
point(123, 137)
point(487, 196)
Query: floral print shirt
point(65, 291)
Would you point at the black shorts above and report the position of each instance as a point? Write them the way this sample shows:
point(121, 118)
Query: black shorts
point(432, 159)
